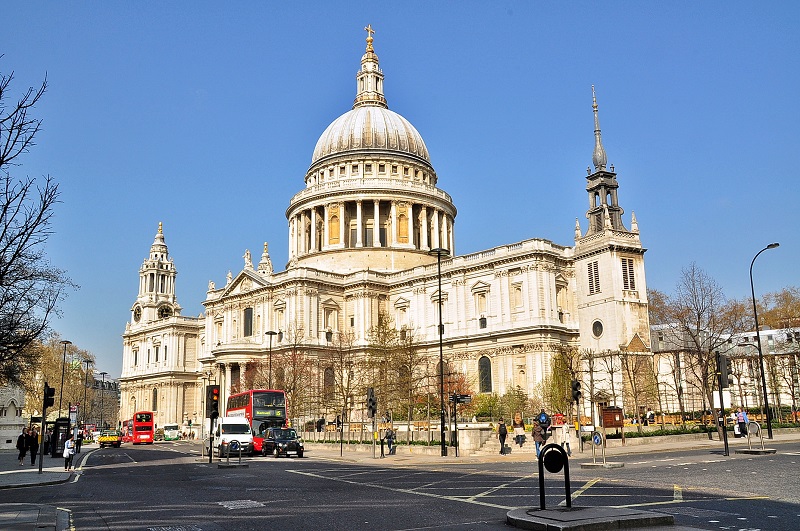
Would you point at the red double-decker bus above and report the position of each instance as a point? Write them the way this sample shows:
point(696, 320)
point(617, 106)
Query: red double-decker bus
point(143, 427)
point(127, 430)
point(262, 408)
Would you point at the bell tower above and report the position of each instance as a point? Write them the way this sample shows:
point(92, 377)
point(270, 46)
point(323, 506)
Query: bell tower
point(609, 264)
point(156, 299)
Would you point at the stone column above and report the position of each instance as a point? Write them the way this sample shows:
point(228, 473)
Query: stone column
point(411, 225)
point(341, 224)
point(292, 239)
point(314, 230)
point(435, 233)
point(359, 225)
point(392, 240)
point(376, 228)
point(325, 228)
point(423, 229)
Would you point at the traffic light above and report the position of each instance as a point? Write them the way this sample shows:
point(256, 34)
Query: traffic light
point(49, 394)
point(576, 390)
point(372, 404)
point(723, 362)
point(212, 401)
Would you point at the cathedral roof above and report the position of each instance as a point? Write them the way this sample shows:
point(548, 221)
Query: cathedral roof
point(370, 125)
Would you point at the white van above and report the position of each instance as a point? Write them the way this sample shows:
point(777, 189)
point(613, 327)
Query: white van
point(231, 429)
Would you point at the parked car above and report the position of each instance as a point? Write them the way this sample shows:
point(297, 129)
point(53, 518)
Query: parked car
point(282, 441)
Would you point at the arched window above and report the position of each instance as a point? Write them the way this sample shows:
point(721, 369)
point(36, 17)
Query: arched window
point(155, 399)
point(485, 375)
point(328, 384)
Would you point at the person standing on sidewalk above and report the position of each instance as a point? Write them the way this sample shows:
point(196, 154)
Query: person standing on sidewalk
point(538, 437)
point(519, 429)
point(741, 418)
point(33, 444)
point(565, 439)
point(22, 445)
point(502, 433)
point(69, 451)
point(390, 440)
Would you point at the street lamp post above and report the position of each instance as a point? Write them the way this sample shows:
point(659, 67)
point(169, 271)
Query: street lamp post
point(63, 366)
point(85, 390)
point(439, 253)
point(102, 395)
point(270, 333)
point(758, 340)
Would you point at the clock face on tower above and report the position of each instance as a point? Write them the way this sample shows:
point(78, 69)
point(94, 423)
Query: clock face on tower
point(164, 312)
point(137, 314)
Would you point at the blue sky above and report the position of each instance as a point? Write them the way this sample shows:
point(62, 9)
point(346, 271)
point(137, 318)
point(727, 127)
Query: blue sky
point(204, 115)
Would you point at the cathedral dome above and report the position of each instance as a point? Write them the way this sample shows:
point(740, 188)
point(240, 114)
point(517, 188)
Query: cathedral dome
point(370, 127)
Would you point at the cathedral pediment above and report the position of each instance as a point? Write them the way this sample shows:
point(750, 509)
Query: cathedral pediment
point(245, 282)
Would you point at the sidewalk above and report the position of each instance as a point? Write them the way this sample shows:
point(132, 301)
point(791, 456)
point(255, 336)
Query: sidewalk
point(28, 516)
point(614, 448)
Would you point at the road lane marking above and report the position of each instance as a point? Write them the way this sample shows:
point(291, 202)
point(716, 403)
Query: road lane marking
point(406, 491)
point(586, 486)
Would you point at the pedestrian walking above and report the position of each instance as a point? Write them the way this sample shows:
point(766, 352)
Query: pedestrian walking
point(741, 418)
point(519, 429)
point(33, 444)
point(78, 442)
point(538, 437)
point(502, 433)
point(390, 440)
point(566, 439)
point(22, 445)
point(48, 434)
point(69, 451)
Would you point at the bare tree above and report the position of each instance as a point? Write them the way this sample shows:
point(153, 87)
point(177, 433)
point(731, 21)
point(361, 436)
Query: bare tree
point(384, 342)
point(294, 372)
point(637, 368)
point(30, 288)
point(697, 321)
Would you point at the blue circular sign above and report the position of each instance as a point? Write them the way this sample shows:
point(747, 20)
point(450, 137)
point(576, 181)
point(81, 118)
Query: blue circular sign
point(597, 438)
point(234, 446)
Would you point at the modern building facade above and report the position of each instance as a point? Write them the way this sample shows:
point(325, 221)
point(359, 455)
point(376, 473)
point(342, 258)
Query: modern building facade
point(360, 235)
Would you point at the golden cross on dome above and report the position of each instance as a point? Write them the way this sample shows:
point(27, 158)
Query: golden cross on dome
point(369, 31)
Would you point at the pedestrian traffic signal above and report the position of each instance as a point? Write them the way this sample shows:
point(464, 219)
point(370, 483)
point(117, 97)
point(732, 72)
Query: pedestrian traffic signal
point(212, 401)
point(49, 394)
point(372, 404)
point(576, 390)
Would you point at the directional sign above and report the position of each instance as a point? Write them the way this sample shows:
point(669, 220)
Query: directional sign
point(597, 438)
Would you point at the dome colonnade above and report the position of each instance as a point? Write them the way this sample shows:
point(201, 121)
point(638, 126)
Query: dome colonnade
point(370, 187)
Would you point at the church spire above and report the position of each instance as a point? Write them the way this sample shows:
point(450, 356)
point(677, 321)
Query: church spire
point(158, 251)
point(599, 155)
point(369, 88)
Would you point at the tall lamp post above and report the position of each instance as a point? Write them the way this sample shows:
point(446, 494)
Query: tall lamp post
point(102, 395)
point(758, 340)
point(84, 409)
point(439, 253)
point(63, 366)
point(270, 333)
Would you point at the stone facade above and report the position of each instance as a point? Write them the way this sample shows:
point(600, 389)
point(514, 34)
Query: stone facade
point(360, 238)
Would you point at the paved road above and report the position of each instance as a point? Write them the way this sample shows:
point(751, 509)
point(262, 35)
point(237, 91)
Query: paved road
point(168, 486)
